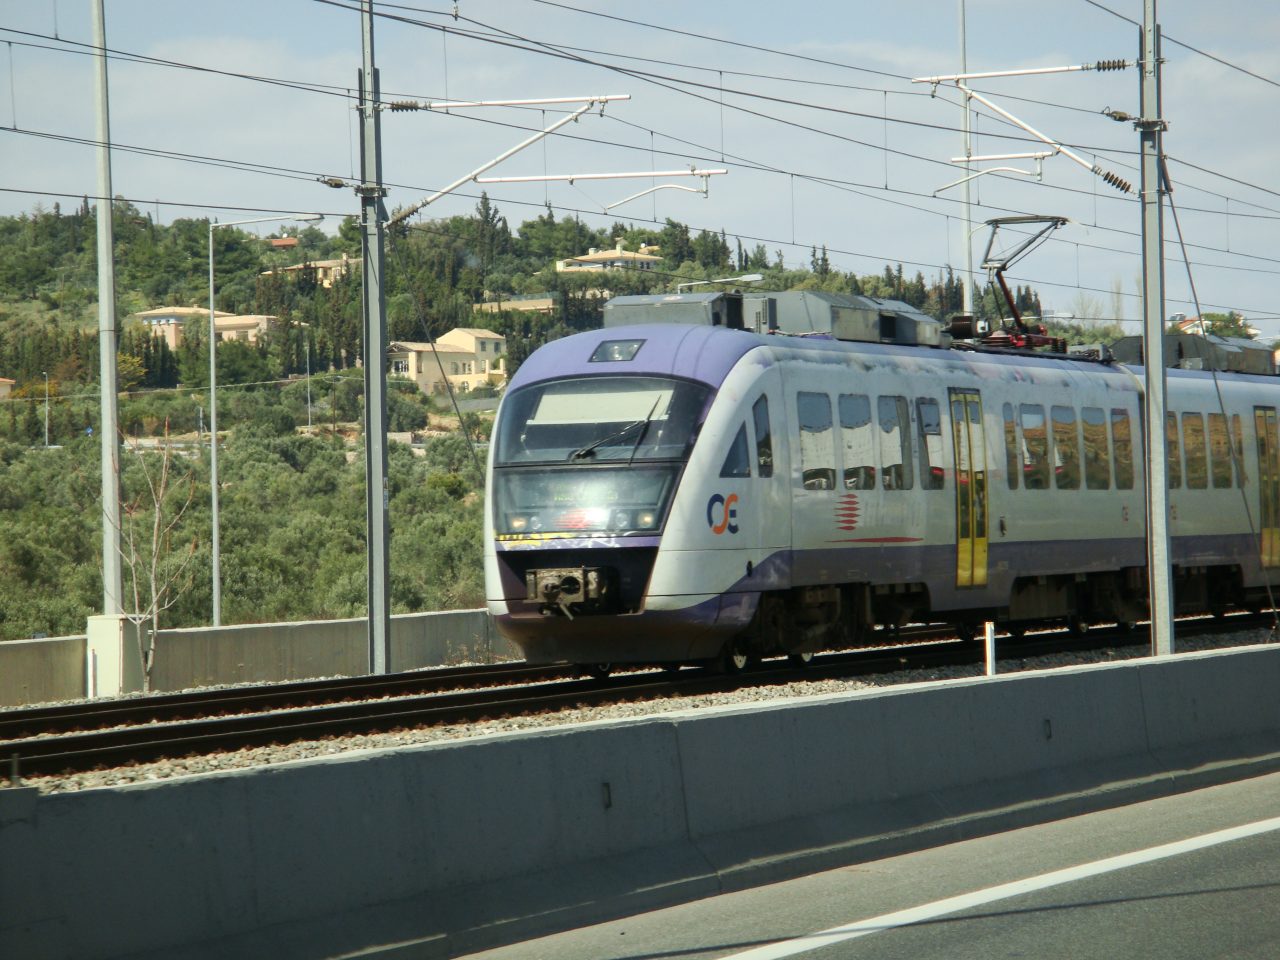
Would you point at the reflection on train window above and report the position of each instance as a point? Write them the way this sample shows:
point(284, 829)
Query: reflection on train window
point(1011, 465)
point(1174, 460)
point(1035, 447)
point(1066, 448)
point(589, 420)
point(1193, 444)
point(1219, 451)
point(1097, 459)
point(738, 462)
point(817, 446)
point(858, 436)
point(1237, 437)
point(896, 471)
point(764, 437)
point(1122, 443)
point(932, 473)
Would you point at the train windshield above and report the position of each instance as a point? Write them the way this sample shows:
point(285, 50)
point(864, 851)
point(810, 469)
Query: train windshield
point(592, 456)
point(599, 419)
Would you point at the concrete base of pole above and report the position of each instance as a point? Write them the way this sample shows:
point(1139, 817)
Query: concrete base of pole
point(113, 661)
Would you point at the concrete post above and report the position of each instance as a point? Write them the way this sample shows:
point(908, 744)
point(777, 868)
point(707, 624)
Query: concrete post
point(113, 656)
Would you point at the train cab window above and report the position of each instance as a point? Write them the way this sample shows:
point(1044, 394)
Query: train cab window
point(817, 446)
point(1193, 444)
point(859, 438)
point(1174, 460)
point(1011, 466)
point(1219, 451)
point(896, 469)
point(1122, 444)
point(1097, 458)
point(1066, 448)
point(1035, 447)
point(764, 437)
point(738, 462)
point(932, 473)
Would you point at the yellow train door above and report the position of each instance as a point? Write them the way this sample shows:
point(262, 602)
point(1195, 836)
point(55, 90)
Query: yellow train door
point(1264, 421)
point(970, 452)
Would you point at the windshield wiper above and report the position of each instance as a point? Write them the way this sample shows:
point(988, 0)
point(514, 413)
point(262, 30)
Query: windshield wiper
point(583, 452)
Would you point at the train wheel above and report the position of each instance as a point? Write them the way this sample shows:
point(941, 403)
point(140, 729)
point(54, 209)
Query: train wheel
point(735, 658)
point(597, 671)
point(800, 659)
point(1078, 625)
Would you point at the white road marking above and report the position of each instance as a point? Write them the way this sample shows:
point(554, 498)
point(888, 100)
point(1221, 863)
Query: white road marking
point(940, 908)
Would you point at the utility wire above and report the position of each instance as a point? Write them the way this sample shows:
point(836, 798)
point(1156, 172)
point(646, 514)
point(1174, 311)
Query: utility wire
point(345, 93)
point(1186, 46)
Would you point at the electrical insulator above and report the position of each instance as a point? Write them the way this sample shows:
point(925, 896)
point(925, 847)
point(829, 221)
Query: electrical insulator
point(1118, 182)
point(1104, 65)
point(397, 105)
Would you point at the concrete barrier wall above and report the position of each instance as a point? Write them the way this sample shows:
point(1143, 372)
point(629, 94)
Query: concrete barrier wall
point(35, 671)
point(447, 847)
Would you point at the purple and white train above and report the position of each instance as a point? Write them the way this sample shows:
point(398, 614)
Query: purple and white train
point(673, 493)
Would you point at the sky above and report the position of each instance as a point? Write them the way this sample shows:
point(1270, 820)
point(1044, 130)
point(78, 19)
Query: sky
point(236, 110)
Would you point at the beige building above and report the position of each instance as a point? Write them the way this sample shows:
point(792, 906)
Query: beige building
point(465, 357)
point(168, 323)
point(327, 271)
point(6, 387)
point(616, 259)
point(543, 305)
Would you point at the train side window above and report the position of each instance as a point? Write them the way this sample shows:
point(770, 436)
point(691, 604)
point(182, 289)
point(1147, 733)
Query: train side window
point(1097, 458)
point(859, 439)
point(932, 473)
point(1174, 460)
point(817, 446)
point(764, 437)
point(1237, 438)
point(1066, 448)
point(738, 462)
point(1011, 466)
point(1219, 451)
point(1193, 444)
point(1035, 447)
point(896, 471)
point(1122, 443)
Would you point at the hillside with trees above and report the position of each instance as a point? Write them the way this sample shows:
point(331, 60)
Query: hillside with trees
point(291, 497)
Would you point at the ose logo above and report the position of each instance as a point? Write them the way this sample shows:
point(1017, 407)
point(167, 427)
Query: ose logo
point(726, 510)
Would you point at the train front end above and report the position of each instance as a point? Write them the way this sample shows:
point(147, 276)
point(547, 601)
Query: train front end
point(588, 452)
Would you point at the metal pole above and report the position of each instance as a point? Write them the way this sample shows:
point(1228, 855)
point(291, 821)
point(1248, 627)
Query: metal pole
point(377, 491)
point(109, 425)
point(46, 409)
point(213, 440)
point(968, 152)
point(1159, 553)
point(306, 342)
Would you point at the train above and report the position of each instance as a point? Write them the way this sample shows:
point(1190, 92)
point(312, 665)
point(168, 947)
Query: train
point(714, 489)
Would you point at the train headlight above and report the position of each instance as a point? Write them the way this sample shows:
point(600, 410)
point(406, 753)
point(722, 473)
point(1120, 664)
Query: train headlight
point(646, 519)
point(620, 520)
point(518, 524)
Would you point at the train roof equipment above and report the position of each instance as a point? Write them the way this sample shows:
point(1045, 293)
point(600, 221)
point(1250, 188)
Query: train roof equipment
point(840, 316)
point(1207, 351)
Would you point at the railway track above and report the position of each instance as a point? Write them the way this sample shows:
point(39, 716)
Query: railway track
point(83, 737)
